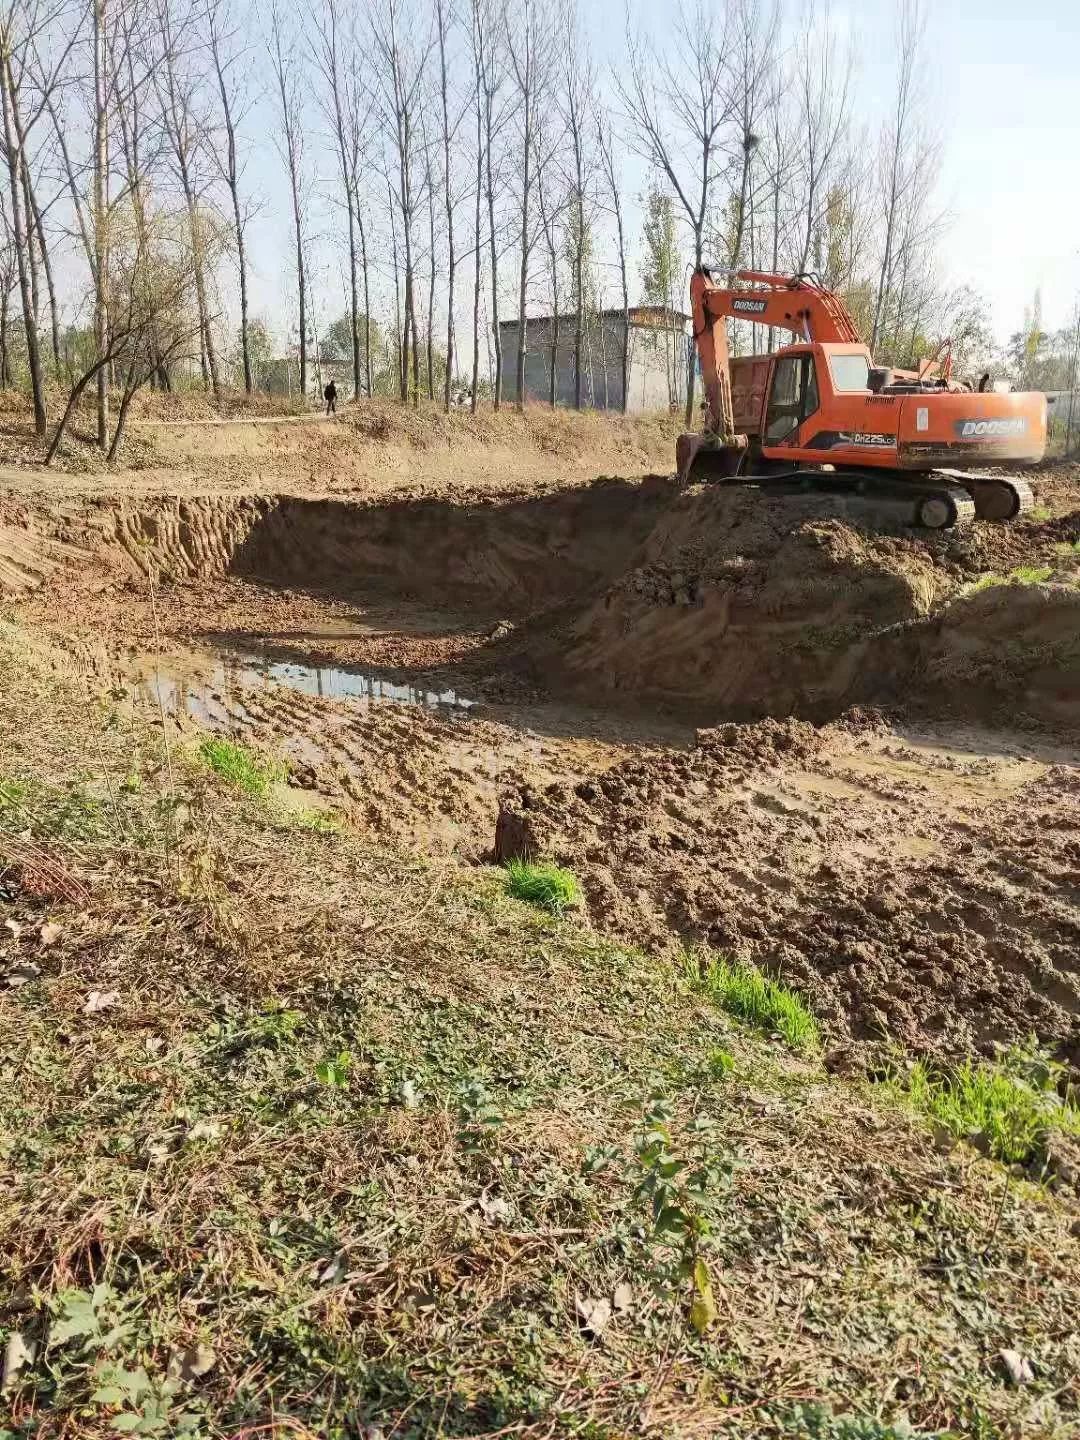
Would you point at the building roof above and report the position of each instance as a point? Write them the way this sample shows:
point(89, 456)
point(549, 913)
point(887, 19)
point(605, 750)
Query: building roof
point(644, 317)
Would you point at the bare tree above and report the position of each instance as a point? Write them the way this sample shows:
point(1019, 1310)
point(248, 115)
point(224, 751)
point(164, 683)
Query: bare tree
point(606, 146)
point(185, 129)
point(907, 169)
point(336, 54)
point(146, 285)
point(753, 55)
point(452, 117)
point(19, 26)
point(551, 207)
point(227, 60)
point(579, 83)
point(291, 147)
point(678, 106)
point(401, 54)
point(529, 36)
point(824, 82)
point(489, 68)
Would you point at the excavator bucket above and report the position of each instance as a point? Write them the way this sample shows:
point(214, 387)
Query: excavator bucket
point(700, 458)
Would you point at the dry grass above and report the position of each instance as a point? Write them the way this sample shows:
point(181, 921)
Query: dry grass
point(201, 1228)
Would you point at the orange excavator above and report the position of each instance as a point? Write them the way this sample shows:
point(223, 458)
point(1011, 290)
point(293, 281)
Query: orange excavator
point(818, 414)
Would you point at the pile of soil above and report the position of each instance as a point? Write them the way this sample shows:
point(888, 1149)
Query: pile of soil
point(759, 606)
point(908, 892)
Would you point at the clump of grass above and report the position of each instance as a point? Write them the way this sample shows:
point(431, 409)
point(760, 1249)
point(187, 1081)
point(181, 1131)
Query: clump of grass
point(1008, 1107)
point(1068, 548)
point(240, 766)
point(745, 992)
point(1020, 575)
point(318, 822)
point(1040, 513)
point(548, 886)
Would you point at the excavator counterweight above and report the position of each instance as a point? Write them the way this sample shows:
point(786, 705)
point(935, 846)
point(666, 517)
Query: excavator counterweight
point(819, 413)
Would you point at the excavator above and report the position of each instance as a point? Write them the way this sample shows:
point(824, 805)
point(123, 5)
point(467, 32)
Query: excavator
point(818, 414)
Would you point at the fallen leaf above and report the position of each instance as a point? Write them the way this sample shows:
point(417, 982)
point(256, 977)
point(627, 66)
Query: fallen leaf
point(18, 1354)
point(623, 1299)
point(205, 1130)
point(334, 1271)
point(593, 1314)
point(14, 927)
point(22, 974)
point(186, 1366)
point(1016, 1366)
point(496, 1210)
point(100, 1000)
point(50, 933)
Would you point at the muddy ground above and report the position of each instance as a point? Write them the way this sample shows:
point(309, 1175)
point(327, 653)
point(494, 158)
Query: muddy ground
point(836, 747)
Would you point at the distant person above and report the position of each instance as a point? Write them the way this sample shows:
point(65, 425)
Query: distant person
point(330, 396)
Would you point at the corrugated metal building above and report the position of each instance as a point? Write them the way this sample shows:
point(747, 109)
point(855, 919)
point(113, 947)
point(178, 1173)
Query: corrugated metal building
point(659, 355)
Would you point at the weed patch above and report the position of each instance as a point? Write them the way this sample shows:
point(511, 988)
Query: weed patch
point(239, 766)
point(745, 992)
point(1008, 1108)
point(1020, 575)
point(545, 885)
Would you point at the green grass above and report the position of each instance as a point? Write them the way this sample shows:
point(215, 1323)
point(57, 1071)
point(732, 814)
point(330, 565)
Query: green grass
point(1020, 575)
point(543, 884)
point(241, 767)
point(1040, 513)
point(743, 991)
point(1009, 1108)
point(1068, 548)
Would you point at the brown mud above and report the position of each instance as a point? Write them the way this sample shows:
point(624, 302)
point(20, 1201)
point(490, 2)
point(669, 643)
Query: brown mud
point(909, 859)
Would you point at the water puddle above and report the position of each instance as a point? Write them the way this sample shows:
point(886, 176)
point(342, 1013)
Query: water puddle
point(210, 687)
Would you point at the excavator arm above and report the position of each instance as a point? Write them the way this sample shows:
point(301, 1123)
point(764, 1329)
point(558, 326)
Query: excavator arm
point(783, 302)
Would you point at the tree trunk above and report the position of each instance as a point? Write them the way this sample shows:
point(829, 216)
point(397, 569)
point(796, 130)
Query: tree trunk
point(687, 359)
point(5, 368)
point(579, 287)
point(449, 202)
point(367, 303)
point(15, 161)
point(431, 295)
point(241, 260)
point(478, 251)
point(101, 239)
point(497, 380)
point(46, 265)
point(31, 239)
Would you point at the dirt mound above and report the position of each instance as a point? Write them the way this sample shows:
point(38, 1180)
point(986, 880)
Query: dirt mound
point(918, 893)
point(757, 606)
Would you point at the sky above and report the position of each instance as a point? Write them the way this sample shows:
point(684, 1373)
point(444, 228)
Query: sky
point(1006, 81)
point(1003, 93)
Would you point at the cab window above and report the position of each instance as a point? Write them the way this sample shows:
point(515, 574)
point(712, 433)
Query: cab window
point(850, 373)
point(793, 397)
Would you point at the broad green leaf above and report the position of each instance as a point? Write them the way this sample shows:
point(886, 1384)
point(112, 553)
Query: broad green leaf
point(703, 1309)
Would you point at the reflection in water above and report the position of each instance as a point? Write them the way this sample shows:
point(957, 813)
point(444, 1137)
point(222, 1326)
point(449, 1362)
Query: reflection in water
point(198, 686)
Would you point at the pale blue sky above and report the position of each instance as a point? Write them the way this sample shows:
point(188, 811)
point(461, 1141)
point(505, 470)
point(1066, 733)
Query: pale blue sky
point(1003, 87)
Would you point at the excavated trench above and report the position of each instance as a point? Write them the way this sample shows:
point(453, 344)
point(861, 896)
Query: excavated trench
point(578, 658)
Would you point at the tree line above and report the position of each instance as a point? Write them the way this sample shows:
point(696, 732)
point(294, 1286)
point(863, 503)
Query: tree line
point(463, 162)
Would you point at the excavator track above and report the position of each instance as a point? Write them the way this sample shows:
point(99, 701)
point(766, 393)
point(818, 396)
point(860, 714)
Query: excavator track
point(995, 497)
point(928, 502)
